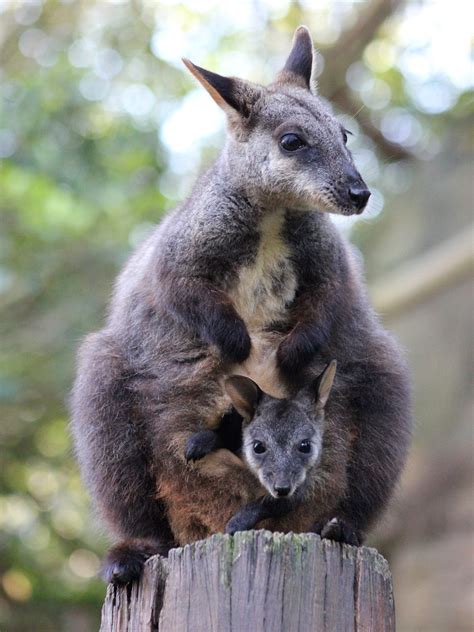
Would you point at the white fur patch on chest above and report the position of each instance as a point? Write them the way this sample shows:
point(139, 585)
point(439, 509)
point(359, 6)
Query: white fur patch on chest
point(261, 365)
point(267, 286)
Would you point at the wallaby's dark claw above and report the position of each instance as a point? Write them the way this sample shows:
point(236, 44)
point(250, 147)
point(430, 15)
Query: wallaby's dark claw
point(340, 531)
point(122, 572)
point(124, 562)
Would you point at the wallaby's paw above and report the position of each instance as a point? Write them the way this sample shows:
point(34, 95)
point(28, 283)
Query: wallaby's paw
point(340, 531)
point(234, 342)
point(237, 524)
point(200, 444)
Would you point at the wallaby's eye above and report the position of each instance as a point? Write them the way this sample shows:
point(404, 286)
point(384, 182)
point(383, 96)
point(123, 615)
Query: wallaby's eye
point(291, 142)
point(345, 132)
point(305, 446)
point(259, 447)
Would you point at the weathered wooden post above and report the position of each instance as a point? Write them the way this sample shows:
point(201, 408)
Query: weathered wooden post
point(258, 581)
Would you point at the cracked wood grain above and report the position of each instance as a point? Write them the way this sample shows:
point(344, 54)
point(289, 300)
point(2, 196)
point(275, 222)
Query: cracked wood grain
point(259, 581)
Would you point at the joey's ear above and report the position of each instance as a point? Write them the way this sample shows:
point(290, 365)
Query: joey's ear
point(244, 394)
point(324, 384)
point(235, 96)
point(298, 66)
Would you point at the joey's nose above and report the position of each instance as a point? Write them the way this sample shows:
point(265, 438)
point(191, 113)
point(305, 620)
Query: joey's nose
point(359, 196)
point(281, 490)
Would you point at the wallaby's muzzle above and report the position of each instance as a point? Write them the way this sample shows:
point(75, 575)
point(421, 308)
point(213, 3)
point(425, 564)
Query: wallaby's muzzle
point(354, 190)
point(359, 195)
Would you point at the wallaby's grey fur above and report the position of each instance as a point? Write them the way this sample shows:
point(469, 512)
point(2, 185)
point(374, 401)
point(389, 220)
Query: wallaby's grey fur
point(249, 276)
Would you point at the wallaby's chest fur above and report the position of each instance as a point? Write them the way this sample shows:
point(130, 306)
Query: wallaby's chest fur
point(262, 291)
point(265, 287)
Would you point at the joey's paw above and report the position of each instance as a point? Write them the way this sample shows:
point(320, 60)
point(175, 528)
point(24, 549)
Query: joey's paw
point(200, 444)
point(234, 342)
point(236, 523)
point(122, 565)
point(341, 531)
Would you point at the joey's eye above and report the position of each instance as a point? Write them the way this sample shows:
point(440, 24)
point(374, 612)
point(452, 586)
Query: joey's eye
point(259, 447)
point(305, 446)
point(291, 142)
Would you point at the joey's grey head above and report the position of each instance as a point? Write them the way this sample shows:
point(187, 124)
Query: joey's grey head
point(282, 438)
point(284, 144)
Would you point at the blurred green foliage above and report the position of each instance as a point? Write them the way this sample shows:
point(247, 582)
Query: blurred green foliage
point(79, 185)
point(90, 93)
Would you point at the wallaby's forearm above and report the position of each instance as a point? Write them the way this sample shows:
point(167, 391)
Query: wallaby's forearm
point(203, 308)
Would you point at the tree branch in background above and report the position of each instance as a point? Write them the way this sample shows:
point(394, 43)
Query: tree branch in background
point(352, 43)
point(442, 267)
point(348, 49)
point(347, 103)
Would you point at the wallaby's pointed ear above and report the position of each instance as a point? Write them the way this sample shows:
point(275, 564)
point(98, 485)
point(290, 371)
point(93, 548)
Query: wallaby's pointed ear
point(235, 96)
point(244, 394)
point(299, 64)
point(324, 384)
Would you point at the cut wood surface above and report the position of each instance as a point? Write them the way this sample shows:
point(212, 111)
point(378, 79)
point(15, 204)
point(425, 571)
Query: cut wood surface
point(259, 581)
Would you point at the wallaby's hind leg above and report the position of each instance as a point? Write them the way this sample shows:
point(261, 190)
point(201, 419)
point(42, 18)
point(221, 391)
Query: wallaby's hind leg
point(379, 405)
point(114, 462)
point(124, 562)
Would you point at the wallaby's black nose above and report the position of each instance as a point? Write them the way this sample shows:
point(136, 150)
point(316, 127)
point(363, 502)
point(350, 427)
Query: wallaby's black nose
point(359, 196)
point(282, 491)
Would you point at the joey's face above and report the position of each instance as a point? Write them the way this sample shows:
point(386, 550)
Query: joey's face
point(281, 445)
point(282, 438)
point(298, 155)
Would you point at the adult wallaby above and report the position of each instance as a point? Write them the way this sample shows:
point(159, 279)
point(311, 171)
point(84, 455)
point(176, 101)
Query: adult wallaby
point(249, 276)
point(289, 447)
